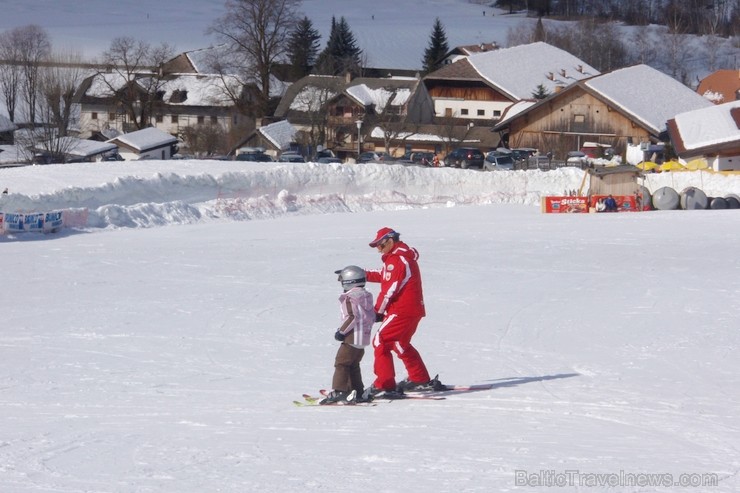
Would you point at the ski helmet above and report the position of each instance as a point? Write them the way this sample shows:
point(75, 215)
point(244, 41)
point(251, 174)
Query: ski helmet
point(351, 276)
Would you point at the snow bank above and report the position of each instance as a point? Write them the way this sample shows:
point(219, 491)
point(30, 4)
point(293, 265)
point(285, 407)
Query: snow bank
point(154, 193)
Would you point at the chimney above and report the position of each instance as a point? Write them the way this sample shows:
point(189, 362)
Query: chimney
point(562, 72)
point(348, 77)
point(550, 76)
point(580, 68)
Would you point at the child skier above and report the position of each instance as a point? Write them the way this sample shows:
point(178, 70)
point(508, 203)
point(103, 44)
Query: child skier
point(358, 316)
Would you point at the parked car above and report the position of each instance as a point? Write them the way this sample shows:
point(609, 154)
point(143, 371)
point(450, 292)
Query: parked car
point(523, 153)
point(328, 160)
point(290, 157)
point(464, 157)
point(577, 158)
point(497, 161)
point(113, 157)
point(259, 157)
point(418, 157)
point(375, 157)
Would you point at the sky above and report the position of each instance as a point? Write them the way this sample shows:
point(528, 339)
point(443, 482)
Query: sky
point(158, 346)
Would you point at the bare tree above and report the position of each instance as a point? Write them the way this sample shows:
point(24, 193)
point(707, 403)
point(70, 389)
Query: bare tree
point(58, 82)
point(675, 50)
point(256, 33)
point(32, 49)
point(10, 73)
point(644, 47)
point(205, 140)
point(138, 64)
point(313, 102)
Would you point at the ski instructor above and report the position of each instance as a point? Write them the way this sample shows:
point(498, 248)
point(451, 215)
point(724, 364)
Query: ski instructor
point(400, 308)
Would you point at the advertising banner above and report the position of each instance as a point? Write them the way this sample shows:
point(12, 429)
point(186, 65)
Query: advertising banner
point(39, 222)
point(625, 203)
point(570, 204)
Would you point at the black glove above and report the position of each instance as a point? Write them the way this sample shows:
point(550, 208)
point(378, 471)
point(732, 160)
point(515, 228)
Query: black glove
point(379, 317)
point(339, 336)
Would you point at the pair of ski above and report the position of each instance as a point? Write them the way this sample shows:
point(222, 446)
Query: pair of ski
point(309, 400)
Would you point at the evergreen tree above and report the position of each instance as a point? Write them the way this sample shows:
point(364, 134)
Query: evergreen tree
point(540, 92)
point(341, 54)
point(437, 48)
point(303, 48)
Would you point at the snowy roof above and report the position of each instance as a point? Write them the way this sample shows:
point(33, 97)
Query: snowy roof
point(380, 97)
point(200, 90)
point(378, 133)
point(280, 134)
point(199, 59)
point(311, 93)
point(6, 125)
point(711, 126)
point(516, 108)
point(106, 85)
point(85, 148)
point(529, 66)
point(648, 94)
point(181, 90)
point(145, 139)
point(11, 154)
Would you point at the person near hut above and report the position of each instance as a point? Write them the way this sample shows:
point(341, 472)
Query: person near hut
point(610, 204)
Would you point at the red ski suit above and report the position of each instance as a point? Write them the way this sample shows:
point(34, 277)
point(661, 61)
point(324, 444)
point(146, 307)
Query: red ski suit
point(401, 301)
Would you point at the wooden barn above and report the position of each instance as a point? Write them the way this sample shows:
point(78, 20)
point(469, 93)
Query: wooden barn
point(606, 109)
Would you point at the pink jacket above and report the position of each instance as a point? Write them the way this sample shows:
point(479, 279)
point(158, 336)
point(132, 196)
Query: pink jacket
point(400, 282)
point(358, 316)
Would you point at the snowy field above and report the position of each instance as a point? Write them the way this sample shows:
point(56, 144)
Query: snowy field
point(159, 348)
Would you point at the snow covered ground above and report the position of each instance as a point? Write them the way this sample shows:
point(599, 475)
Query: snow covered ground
point(159, 348)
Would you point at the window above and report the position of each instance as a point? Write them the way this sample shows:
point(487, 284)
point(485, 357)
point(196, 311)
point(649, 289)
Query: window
point(158, 118)
point(111, 116)
point(579, 118)
point(497, 113)
point(464, 111)
point(201, 120)
point(174, 118)
point(94, 115)
point(214, 120)
point(481, 112)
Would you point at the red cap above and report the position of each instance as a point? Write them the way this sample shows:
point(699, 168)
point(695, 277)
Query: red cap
point(383, 233)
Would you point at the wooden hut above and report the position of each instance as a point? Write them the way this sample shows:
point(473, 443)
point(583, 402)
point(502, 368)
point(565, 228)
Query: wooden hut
point(619, 181)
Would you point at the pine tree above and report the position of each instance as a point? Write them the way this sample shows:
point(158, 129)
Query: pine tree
point(341, 54)
point(303, 48)
point(540, 92)
point(437, 48)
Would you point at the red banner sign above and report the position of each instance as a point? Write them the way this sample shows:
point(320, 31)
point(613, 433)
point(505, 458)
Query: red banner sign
point(565, 204)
